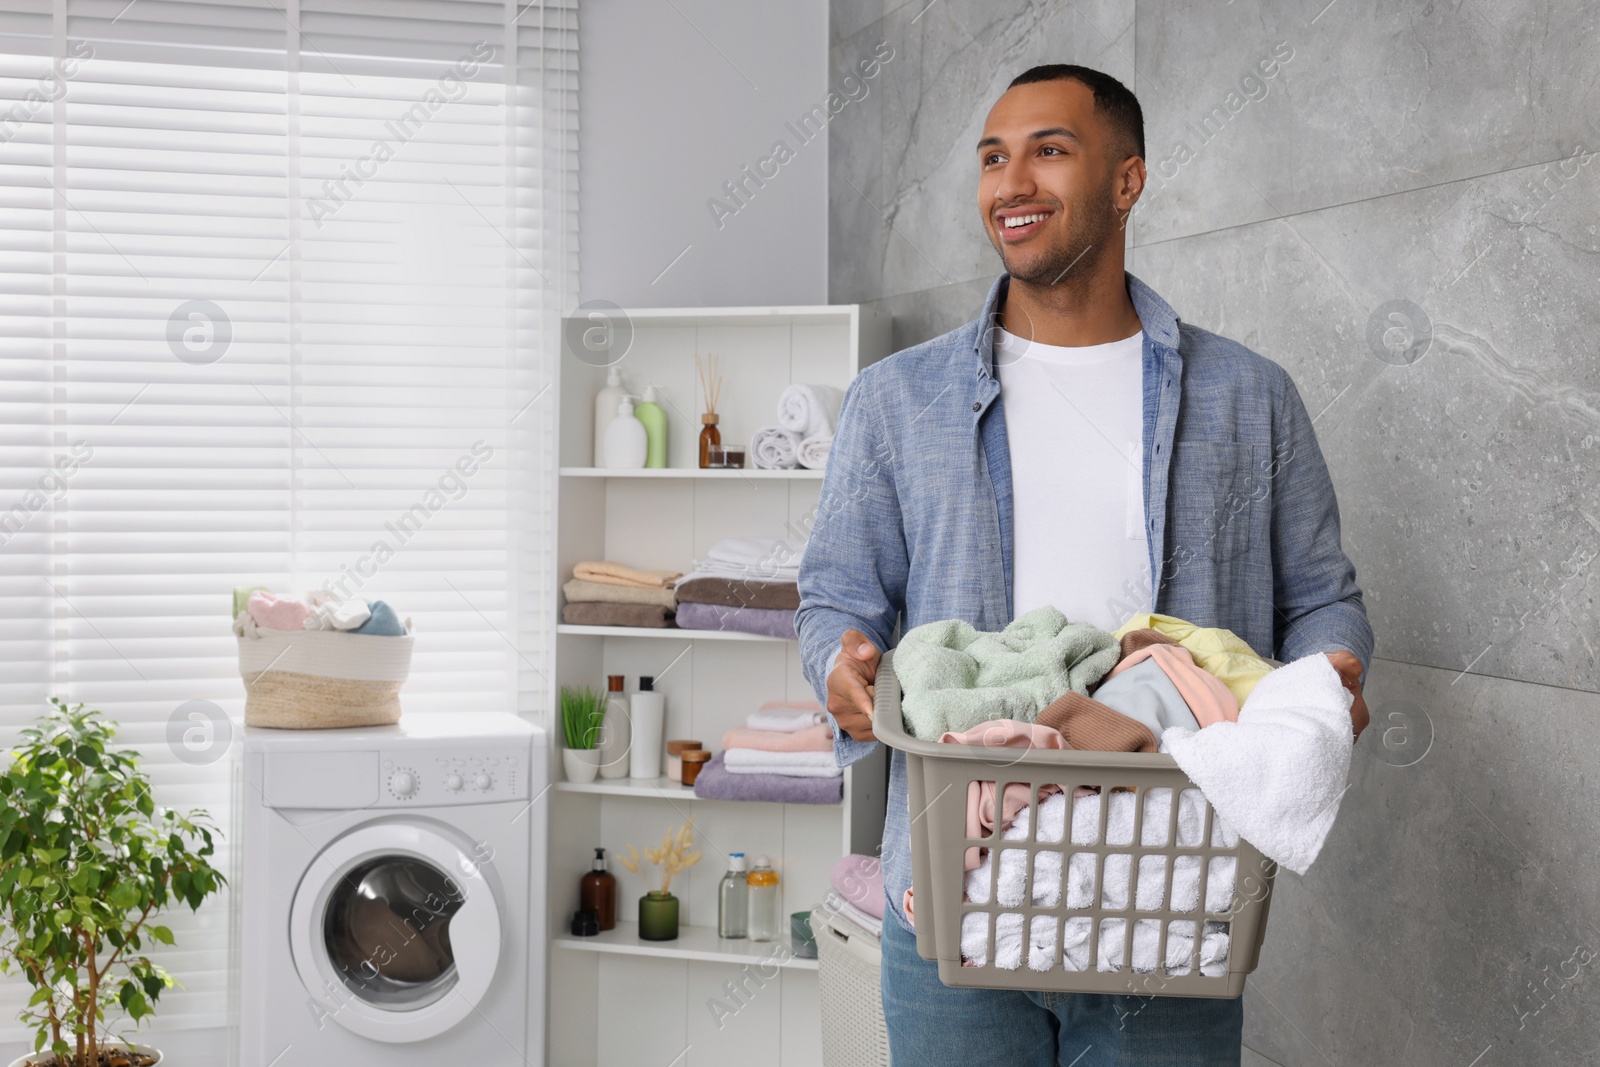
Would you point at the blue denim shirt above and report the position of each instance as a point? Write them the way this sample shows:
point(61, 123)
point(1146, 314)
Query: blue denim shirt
point(913, 524)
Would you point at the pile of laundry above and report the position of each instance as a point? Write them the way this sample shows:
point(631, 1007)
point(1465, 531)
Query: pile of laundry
point(783, 754)
point(807, 415)
point(606, 593)
point(1267, 745)
point(855, 900)
point(256, 607)
point(747, 584)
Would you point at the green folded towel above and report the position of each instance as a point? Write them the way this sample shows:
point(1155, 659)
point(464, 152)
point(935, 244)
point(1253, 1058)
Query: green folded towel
point(953, 677)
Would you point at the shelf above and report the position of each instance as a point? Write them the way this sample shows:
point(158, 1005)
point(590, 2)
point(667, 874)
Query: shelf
point(693, 943)
point(748, 473)
point(659, 789)
point(663, 631)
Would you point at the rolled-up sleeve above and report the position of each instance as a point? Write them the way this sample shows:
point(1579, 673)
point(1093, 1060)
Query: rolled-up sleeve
point(1318, 603)
point(853, 573)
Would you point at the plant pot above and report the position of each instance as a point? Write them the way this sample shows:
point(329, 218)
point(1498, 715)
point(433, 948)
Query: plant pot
point(581, 764)
point(658, 916)
point(35, 1057)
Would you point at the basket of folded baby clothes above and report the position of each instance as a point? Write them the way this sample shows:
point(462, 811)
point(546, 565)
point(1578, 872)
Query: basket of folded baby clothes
point(1100, 812)
point(319, 663)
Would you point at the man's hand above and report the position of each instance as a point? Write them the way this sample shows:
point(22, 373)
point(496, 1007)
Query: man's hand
point(1349, 669)
point(850, 686)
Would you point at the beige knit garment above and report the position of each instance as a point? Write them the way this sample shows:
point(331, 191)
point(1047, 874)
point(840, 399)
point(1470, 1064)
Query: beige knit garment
point(607, 572)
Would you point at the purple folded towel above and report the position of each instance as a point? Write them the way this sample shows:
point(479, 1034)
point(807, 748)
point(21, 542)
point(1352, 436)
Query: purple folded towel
point(715, 783)
point(769, 622)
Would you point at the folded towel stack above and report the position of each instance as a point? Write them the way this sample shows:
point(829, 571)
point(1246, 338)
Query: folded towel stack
point(746, 584)
point(807, 415)
point(784, 754)
point(857, 896)
point(606, 593)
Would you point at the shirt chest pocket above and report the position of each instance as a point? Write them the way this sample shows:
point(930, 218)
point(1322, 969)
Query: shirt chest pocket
point(1214, 499)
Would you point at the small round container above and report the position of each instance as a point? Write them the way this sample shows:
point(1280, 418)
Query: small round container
point(675, 751)
point(693, 759)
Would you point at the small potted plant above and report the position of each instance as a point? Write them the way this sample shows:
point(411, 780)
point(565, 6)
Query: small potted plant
point(658, 909)
point(87, 862)
point(582, 712)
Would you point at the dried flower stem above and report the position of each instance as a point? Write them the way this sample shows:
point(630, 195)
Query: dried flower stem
point(673, 855)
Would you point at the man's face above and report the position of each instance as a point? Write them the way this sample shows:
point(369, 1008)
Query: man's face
point(1044, 157)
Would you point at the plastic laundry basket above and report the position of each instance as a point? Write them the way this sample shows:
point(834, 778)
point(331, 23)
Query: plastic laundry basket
point(848, 967)
point(938, 778)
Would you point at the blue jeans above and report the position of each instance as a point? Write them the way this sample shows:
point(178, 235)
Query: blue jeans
point(932, 1025)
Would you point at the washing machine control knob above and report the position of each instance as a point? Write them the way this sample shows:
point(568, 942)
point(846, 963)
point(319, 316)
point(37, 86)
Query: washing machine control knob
point(453, 782)
point(403, 783)
point(484, 781)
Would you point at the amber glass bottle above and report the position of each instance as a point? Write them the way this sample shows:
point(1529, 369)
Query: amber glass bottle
point(597, 892)
point(709, 435)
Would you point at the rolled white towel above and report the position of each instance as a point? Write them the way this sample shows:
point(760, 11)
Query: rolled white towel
point(772, 448)
point(813, 452)
point(809, 410)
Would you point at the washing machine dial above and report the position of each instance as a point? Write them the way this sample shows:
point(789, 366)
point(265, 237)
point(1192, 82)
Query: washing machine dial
point(484, 781)
point(403, 783)
point(453, 782)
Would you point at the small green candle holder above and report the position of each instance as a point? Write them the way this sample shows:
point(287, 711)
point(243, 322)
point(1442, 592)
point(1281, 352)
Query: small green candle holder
point(658, 916)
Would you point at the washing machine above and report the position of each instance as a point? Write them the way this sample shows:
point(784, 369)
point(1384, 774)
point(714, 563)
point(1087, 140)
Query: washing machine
point(392, 894)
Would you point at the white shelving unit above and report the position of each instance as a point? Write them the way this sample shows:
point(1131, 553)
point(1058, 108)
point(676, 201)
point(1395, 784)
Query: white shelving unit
point(615, 1000)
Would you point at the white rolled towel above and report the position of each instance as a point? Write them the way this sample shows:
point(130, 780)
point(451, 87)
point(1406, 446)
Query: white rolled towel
point(772, 448)
point(813, 452)
point(809, 410)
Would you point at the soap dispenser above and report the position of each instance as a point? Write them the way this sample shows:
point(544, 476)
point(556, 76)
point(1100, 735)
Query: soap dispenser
point(605, 409)
point(597, 892)
point(655, 428)
point(626, 441)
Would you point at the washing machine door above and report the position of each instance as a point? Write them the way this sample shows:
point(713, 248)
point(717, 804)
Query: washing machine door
point(395, 932)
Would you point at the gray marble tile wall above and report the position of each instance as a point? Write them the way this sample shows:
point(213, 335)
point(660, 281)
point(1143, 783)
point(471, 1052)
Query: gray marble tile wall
point(1406, 215)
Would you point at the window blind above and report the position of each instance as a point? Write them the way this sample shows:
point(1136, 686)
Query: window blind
point(279, 298)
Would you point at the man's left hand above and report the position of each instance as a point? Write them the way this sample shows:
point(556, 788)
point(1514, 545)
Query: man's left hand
point(1349, 669)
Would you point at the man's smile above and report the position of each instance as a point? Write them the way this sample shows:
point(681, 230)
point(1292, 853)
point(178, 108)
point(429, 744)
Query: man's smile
point(1019, 223)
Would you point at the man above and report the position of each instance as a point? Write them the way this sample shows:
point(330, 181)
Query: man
point(1076, 445)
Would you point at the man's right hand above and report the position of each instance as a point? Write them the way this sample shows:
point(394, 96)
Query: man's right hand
point(850, 686)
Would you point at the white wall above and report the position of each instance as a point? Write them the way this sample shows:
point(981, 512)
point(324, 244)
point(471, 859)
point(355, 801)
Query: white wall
point(675, 99)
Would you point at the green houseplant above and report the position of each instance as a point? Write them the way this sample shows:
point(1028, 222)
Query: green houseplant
point(87, 861)
point(582, 712)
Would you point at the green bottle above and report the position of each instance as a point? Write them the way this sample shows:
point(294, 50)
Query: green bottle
point(655, 428)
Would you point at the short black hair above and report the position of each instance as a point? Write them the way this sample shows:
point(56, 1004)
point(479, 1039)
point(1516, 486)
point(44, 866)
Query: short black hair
point(1111, 99)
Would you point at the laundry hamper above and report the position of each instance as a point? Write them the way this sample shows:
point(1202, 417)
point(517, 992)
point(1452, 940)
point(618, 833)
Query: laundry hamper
point(1117, 929)
point(319, 679)
point(848, 968)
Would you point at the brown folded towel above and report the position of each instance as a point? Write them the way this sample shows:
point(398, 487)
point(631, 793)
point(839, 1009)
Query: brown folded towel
point(579, 590)
point(589, 613)
point(740, 593)
point(1091, 725)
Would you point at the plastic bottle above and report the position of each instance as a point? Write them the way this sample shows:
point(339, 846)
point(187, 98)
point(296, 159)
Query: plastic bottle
point(733, 899)
point(605, 409)
point(763, 883)
point(597, 892)
point(648, 710)
point(626, 441)
point(654, 419)
point(616, 732)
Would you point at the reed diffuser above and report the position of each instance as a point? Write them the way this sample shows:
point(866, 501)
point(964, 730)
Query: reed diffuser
point(658, 908)
point(711, 390)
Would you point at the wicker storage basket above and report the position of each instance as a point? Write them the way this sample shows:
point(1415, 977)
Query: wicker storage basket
point(318, 679)
point(848, 976)
point(938, 776)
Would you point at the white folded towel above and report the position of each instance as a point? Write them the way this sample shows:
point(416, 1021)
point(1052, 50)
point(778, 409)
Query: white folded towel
point(785, 722)
point(1278, 774)
point(772, 448)
point(757, 551)
point(793, 764)
point(813, 452)
point(840, 908)
point(809, 410)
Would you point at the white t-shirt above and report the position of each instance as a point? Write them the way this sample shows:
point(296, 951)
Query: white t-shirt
point(1074, 421)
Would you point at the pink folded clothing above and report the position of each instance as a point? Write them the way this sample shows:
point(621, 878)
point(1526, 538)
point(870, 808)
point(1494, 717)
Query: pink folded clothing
point(859, 880)
point(276, 614)
point(1209, 700)
point(1000, 733)
point(814, 739)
